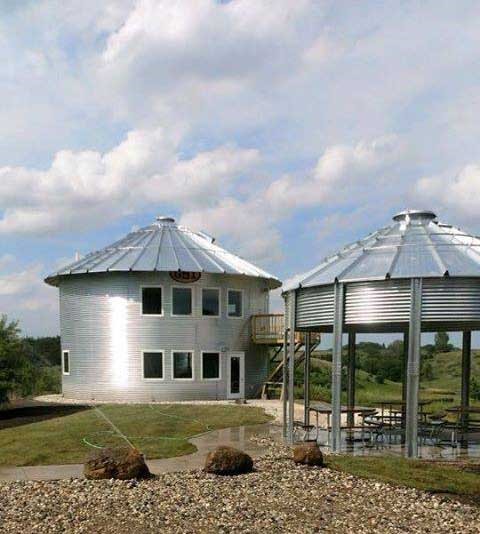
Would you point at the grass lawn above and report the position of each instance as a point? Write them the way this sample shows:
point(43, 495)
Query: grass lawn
point(159, 431)
point(426, 476)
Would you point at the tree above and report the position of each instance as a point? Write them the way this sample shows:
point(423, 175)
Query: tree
point(16, 371)
point(442, 342)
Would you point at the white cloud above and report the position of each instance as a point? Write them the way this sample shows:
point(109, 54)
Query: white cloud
point(458, 194)
point(25, 296)
point(341, 173)
point(85, 189)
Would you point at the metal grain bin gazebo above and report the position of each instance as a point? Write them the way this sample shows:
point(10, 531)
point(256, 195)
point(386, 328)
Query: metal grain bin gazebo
point(162, 314)
point(418, 274)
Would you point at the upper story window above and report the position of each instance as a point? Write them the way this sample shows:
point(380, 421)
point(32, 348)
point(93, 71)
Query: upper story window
point(235, 303)
point(66, 362)
point(152, 301)
point(210, 302)
point(181, 301)
point(153, 365)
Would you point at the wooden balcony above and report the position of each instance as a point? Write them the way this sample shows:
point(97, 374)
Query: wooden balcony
point(269, 328)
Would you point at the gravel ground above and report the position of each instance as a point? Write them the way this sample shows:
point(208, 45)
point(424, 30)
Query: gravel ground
point(278, 497)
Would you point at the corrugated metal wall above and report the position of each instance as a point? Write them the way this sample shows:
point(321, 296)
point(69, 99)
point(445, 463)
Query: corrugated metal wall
point(314, 307)
point(377, 302)
point(455, 302)
point(451, 299)
point(102, 327)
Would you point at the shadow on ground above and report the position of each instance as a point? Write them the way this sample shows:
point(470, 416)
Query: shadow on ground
point(10, 418)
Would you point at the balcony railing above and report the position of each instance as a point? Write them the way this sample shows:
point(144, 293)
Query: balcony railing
point(269, 329)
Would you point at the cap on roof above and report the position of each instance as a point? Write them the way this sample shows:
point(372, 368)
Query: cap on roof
point(163, 246)
point(416, 245)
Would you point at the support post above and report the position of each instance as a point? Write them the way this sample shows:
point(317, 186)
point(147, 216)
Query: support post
point(466, 371)
point(404, 384)
point(306, 380)
point(284, 378)
point(337, 367)
point(351, 379)
point(291, 365)
point(413, 370)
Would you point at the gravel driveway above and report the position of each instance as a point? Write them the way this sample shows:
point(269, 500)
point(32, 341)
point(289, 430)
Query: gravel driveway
point(278, 497)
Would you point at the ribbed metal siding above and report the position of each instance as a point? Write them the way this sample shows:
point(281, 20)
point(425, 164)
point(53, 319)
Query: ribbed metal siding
point(451, 300)
point(314, 307)
point(102, 327)
point(377, 302)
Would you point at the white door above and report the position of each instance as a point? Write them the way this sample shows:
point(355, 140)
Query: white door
point(235, 375)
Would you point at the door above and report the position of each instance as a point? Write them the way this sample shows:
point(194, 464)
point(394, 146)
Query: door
point(235, 375)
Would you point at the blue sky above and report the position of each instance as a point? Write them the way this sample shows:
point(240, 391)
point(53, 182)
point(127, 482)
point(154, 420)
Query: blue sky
point(286, 129)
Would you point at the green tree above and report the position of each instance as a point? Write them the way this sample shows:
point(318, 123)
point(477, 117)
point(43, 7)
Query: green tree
point(16, 370)
point(442, 342)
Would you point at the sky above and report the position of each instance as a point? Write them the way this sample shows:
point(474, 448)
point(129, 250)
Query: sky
point(285, 129)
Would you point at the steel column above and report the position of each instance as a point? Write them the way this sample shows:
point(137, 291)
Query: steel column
point(413, 370)
point(404, 383)
point(284, 378)
point(466, 368)
point(351, 379)
point(337, 367)
point(306, 380)
point(291, 366)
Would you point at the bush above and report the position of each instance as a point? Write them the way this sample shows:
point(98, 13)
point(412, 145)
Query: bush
point(475, 389)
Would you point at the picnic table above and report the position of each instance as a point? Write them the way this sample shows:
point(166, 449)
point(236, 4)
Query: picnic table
point(322, 409)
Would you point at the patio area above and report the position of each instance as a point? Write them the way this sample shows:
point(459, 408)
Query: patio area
point(449, 436)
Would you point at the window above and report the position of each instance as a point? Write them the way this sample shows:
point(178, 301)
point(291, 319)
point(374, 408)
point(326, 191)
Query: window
point(235, 305)
point(153, 365)
point(181, 301)
point(210, 302)
point(152, 301)
point(210, 365)
point(183, 365)
point(66, 362)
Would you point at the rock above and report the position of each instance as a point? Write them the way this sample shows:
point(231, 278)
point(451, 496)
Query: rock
point(122, 463)
point(308, 453)
point(228, 461)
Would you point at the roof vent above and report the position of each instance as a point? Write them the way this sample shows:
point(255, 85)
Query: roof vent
point(418, 215)
point(165, 219)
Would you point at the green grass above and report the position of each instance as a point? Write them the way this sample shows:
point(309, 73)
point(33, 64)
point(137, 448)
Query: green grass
point(421, 475)
point(159, 431)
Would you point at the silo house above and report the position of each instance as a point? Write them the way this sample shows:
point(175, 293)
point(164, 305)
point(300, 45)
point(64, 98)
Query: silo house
point(162, 314)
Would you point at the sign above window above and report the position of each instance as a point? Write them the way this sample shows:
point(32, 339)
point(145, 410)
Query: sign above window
point(185, 277)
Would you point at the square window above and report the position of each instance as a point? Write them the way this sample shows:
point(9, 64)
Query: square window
point(235, 305)
point(210, 365)
point(181, 301)
point(153, 365)
point(152, 301)
point(66, 362)
point(183, 365)
point(210, 302)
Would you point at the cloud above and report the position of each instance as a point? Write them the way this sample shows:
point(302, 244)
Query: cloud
point(25, 296)
point(341, 173)
point(86, 189)
point(458, 194)
point(245, 225)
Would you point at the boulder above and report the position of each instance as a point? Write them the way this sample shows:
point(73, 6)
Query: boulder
point(122, 463)
point(308, 453)
point(228, 461)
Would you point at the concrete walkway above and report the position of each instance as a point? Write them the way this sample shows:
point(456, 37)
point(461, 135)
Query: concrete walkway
point(238, 437)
